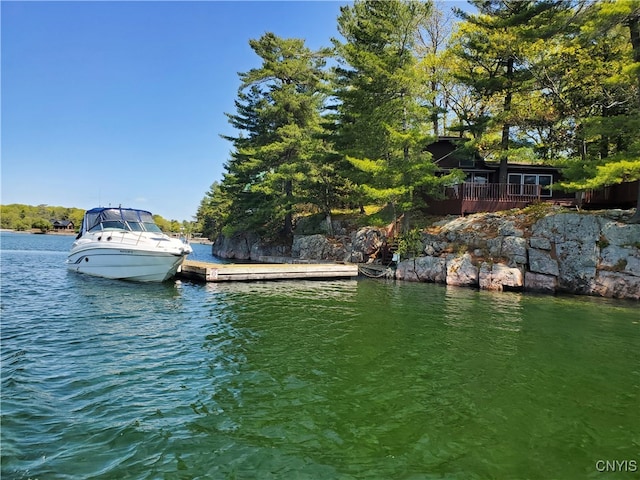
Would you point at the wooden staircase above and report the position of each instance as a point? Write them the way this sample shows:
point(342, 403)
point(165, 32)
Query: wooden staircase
point(385, 255)
point(388, 250)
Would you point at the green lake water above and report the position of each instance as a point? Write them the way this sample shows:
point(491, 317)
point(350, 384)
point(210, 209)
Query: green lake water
point(351, 379)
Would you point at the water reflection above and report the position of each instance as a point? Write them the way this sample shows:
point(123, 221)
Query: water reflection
point(267, 360)
point(378, 379)
point(366, 379)
point(295, 289)
point(371, 377)
point(465, 307)
point(493, 319)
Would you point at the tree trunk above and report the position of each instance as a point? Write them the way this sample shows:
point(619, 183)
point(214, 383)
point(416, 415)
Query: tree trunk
point(329, 223)
point(504, 157)
point(436, 114)
point(288, 218)
point(634, 29)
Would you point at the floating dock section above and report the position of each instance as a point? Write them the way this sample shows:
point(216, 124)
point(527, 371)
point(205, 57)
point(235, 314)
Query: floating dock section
point(215, 272)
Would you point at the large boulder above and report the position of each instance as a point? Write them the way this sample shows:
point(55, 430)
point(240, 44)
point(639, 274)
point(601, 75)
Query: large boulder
point(539, 282)
point(620, 234)
point(247, 246)
point(577, 263)
point(423, 269)
point(616, 285)
point(497, 276)
point(366, 243)
point(575, 237)
point(237, 246)
point(541, 261)
point(565, 227)
point(620, 259)
point(540, 243)
point(515, 249)
point(319, 247)
point(461, 271)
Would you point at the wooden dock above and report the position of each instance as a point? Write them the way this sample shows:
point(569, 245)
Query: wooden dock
point(215, 272)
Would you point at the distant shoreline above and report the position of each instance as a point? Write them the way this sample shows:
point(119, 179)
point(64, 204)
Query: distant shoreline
point(35, 231)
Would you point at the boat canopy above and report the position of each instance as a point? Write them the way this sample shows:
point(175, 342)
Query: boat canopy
point(119, 218)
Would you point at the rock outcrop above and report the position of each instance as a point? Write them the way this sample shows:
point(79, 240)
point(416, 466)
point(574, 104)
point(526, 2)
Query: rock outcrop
point(359, 247)
point(584, 253)
point(571, 252)
point(247, 246)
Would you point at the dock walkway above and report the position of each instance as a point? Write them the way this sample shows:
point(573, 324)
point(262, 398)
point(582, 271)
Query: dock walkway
point(215, 272)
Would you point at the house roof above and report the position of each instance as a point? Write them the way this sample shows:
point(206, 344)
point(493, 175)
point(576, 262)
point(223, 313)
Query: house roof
point(62, 223)
point(449, 153)
point(529, 167)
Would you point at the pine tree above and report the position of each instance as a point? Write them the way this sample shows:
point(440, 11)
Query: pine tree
point(279, 119)
point(609, 89)
point(493, 47)
point(380, 119)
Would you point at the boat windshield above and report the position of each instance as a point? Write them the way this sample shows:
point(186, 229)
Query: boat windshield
point(119, 219)
point(151, 227)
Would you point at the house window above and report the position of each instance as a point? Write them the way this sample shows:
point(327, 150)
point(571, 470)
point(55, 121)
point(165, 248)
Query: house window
point(514, 180)
point(517, 181)
point(466, 162)
point(478, 178)
point(545, 182)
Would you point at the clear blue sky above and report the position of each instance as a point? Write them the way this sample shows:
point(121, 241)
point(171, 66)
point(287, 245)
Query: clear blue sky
point(124, 102)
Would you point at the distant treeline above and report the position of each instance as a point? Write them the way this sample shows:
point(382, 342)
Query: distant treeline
point(26, 217)
point(21, 217)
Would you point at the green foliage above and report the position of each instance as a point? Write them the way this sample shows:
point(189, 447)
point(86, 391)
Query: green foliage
point(609, 173)
point(380, 89)
point(282, 158)
point(410, 244)
point(537, 211)
point(42, 225)
point(380, 217)
point(525, 81)
point(163, 224)
point(25, 217)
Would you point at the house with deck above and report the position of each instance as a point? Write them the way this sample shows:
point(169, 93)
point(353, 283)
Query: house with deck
point(63, 225)
point(526, 184)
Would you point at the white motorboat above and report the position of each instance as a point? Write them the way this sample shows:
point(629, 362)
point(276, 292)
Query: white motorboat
point(125, 243)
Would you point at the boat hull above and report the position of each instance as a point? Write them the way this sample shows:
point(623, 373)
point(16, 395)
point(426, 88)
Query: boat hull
point(125, 264)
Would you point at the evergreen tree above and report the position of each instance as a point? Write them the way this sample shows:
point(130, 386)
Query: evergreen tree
point(279, 117)
point(492, 45)
point(380, 120)
point(607, 88)
point(213, 212)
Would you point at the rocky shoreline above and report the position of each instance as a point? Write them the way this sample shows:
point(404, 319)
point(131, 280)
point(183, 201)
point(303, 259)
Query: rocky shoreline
point(541, 251)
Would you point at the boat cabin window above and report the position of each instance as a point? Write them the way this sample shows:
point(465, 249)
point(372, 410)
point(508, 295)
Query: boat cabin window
point(110, 224)
point(151, 227)
point(120, 219)
point(135, 226)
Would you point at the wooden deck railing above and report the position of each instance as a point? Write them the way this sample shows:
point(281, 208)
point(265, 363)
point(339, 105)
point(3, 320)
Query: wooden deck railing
point(501, 192)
